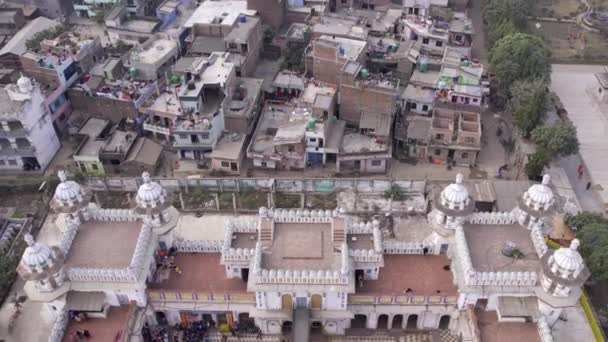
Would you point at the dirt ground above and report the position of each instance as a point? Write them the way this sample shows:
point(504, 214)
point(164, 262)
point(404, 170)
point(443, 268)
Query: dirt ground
point(570, 43)
point(557, 8)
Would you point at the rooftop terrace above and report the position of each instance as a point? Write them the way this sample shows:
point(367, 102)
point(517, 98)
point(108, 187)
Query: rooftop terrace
point(487, 241)
point(201, 272)
point(301, 246)
point(423, 274)
point(104, 244)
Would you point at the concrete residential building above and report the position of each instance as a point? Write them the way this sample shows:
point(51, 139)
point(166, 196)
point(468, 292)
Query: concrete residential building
point(347, 275)
point(227, 26)
point(27, 139)
point(11, 21)
point(150, 61)
point(55, 9)
point(272, 12)
point(202, 123)
point(455, 134)
point(121, 26)
point(11, 52)
point(330, 54)
point(105, 150)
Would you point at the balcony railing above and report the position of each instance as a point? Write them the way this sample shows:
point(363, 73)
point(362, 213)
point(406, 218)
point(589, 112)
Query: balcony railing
point(14, 133)
point(157, 128)
point(401, 300)
point(24, 151)
point(208, 297)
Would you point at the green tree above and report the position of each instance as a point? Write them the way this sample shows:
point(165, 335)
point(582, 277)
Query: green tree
point(519, 56)
point(559, 140)
point(594, 248)
point(585, 218)
point(527, 103)
point(537, 162)
point(517, 10)
point(503, 28)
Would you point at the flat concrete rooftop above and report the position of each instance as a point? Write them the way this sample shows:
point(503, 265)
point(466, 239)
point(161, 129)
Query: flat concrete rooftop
point(301, 246)
point(201, 272)
point(423, 274)
point(487, 241)
point(244, 240)
point(493, 331)
point(104, 244)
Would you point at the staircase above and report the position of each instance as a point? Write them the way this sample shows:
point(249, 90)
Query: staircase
point(266, 232)
point(301, 325)
point(338, 232)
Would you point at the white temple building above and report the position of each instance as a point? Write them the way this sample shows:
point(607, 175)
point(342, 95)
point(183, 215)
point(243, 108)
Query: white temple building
point(301, 272)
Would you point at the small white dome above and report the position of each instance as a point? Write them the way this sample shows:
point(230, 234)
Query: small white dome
point(568, 260)
point(455, 193)
point(25, 84)
point(263, 211)
point(36, 256)
point(540, 195)
point(150, 193)
point(68, 192)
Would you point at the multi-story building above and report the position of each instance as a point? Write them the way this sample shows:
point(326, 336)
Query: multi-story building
point(11, 52)
point(227, 26)
point(330, 54)
point(11, 21)
point(455, 134)
point(454, 272)
point(121, 26)
point(104, 149)
point(27, 139)
point(272, 12)
point(151, 60)
point(56, 9)
point(136, 8)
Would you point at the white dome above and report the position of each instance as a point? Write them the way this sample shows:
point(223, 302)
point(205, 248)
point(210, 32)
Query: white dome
point(150, 193)
point(455, 193)
point(36, 256)
point(68, 192)
point(25, 84)
point(568, 260)
point(540, 195)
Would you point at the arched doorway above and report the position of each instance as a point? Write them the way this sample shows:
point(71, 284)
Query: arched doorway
point(397, 322)
point(412, 322)
point(382, 322)
point(359, 322)
point(444, 322)
point(316, 302)
point(286, 302)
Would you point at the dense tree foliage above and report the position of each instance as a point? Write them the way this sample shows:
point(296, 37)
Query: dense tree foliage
point(559, 140)
point(519, 56)
point(537, 162)
point(527, 103)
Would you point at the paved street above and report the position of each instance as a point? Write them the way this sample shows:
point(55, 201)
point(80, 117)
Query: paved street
point(478, 49)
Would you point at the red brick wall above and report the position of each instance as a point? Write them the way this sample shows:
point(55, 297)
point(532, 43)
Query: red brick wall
point(356, 100)
point(271, 11)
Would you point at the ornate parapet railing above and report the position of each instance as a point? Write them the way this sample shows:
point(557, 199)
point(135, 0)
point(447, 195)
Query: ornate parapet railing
point(399, 247)
point(243, 226)
point(114, 275)
point(141, 249)
point(301, 277)
point(544, 331)
point(401, 300)
point(59, 327)
point(238, 254)
point(476, 278)
point(198, 246)
point(359, 227)
point(538, 240)
point(492, 218)
point(114, 215)
point(365, 255)
point(185, 296)
point(301, 216)
point(68, 236)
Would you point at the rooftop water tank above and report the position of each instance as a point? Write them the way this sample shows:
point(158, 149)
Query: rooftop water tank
point(242, 18)
point(364, 73)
